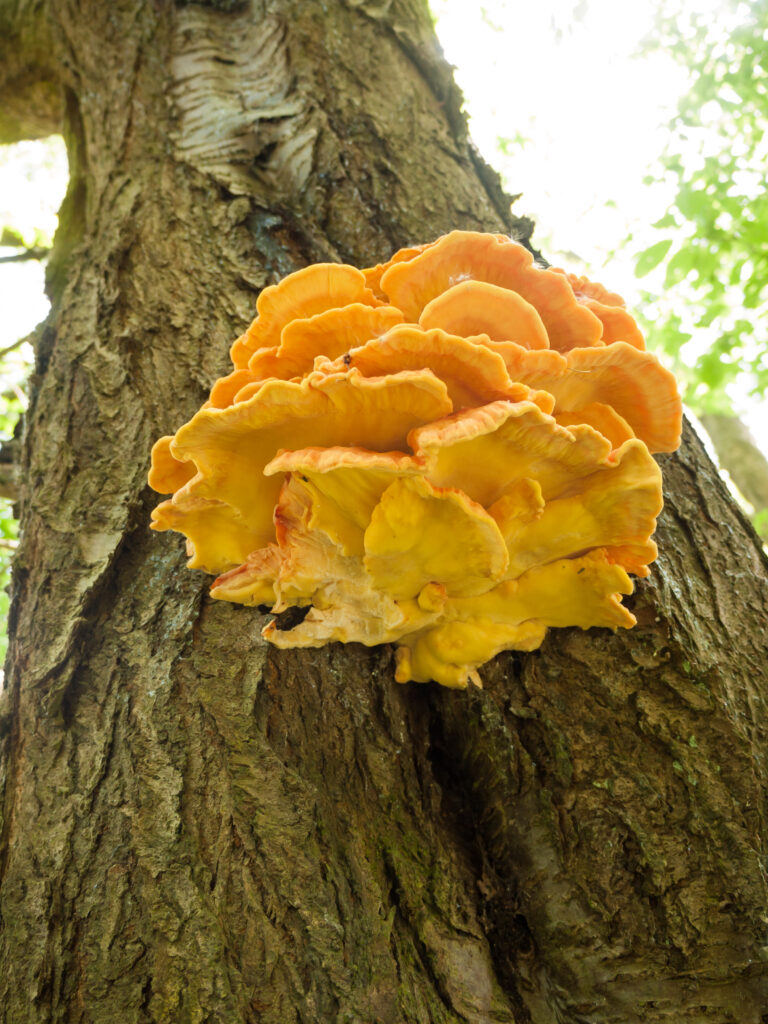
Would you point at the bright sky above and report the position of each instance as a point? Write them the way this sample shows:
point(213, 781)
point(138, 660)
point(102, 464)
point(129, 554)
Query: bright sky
point(33, 179)
point(582, 114)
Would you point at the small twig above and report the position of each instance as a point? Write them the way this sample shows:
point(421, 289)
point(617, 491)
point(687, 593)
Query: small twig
point(17, 344)
point(7, 542)
point(37, 252)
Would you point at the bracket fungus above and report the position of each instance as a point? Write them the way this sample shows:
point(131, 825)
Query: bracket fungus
point(450, 451)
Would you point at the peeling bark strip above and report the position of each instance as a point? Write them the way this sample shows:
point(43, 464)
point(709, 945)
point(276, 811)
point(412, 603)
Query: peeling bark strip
point(241, 117)
point(193, 828)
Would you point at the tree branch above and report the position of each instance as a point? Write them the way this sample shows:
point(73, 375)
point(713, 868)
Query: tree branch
point(31, 105)
point(17, 344)
point(738, 453)
point(37, 252)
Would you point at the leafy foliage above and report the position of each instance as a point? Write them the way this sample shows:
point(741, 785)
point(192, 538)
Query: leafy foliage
point(714, 249)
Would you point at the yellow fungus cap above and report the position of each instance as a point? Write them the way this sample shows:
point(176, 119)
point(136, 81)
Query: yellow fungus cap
point(608, 307)
point(484, 451)
point(476, 307)
point(420, 534)
point(581, 592)
point(633, 383)
point(330, 334)
point(472, 256)
point(314, 289)
point(616, 505)
point(473, 374)
point(450, 451)
point(230, 447)
point(603, 418)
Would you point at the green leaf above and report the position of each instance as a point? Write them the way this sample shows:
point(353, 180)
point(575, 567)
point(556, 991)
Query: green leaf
point(760, 523)
point(667, 221)
point(680, 266)
point(12, 238)
point(651, 257)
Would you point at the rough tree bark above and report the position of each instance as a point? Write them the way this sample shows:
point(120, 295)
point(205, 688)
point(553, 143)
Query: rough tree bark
point(746, 465)
point(196, 828)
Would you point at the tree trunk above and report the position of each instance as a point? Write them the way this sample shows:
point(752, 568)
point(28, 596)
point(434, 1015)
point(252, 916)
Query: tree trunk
point(746, 465)
point(199, 828)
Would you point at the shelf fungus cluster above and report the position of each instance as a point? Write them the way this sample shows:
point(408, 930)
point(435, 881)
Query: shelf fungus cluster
point(450, 451)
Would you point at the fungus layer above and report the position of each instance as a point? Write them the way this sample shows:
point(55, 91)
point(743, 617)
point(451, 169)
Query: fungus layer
point(450, 451)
